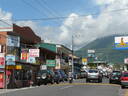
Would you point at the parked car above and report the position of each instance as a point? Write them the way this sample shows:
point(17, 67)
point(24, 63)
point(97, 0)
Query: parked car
point(83, 74)
point(63, 74)
point(94, 74)
point(124, 79)
point(115, 77)
point(45, 77)
point(58, 78)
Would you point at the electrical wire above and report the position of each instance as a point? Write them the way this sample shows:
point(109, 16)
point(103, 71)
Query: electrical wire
point(64, 17)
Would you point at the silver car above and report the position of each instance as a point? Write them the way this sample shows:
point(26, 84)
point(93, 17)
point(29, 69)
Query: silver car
point(94, 75)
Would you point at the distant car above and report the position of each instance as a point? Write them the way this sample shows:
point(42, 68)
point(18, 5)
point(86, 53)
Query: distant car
point(115, 77)
point(124, 79)
point(95, 75)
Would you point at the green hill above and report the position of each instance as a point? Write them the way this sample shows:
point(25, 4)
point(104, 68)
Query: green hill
point(104, 48)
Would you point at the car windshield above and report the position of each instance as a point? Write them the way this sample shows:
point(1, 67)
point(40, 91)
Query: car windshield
point(125, 75)
point(41, 72)
point(93, 71)
point(116, 73)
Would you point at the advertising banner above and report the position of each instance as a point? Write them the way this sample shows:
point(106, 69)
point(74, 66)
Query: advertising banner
point(121, 42)
point(13, 41)
point(2, 60)
point(84, 61)
point(10, 60)
point(10, 57)
point(126, 61)
point(34, 52)
point(24, 54)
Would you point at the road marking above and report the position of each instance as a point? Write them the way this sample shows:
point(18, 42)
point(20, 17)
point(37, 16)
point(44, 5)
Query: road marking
point(66, 87)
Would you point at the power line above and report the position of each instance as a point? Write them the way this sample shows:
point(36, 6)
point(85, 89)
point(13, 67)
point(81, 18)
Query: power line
point(45, 7)
point(64, 17)
point(35, 8)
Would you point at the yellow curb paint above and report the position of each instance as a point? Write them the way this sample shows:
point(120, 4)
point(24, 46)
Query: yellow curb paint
point(102, 84)
point(126, 93)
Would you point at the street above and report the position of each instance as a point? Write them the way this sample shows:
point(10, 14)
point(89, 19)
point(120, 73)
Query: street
point(78, 88)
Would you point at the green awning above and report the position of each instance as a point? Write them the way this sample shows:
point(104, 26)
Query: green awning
point(48, 46)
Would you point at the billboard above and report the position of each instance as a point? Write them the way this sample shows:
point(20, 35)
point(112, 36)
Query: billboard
point(34, 52)
point(13, 41)
point(84, 61)
point(10, 59)
point(91, 51)
point(121, 42)
point(126, 61)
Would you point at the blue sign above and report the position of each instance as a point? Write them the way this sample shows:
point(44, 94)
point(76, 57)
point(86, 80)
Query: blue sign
point(10, 63)
point(10, 58)
point(31, 60)
point(13, 41)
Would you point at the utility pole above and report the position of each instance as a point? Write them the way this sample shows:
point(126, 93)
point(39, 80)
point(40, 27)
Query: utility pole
point(72, 54)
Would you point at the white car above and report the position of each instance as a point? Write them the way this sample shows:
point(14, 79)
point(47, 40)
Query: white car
point(94, 75)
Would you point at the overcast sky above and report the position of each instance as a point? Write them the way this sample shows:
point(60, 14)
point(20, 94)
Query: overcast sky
point(84, 28)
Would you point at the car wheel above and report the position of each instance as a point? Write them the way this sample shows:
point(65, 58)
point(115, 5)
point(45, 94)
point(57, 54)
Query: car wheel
point(57, 82)
point(110, 82)
point(38, 84)
point(52, 82)
point(122, 86)
point(87, 80)
point(99, 81)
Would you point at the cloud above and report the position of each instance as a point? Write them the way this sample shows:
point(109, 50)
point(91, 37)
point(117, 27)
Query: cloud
point(103, 2)
point(87, 28)
point(5, 17)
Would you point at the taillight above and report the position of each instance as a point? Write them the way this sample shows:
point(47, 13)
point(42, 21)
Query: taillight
point(123, 78)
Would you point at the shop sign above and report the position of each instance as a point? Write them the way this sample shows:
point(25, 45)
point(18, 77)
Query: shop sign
point(121, 42)
point(0, 48)
point(34, 52)
point(43, 67)
point(18, 67)
point(91, 55)
point(57, 64)
point(31, 60)
point(51, 63)
point(2, 60)
point(13, 41)
point(91, 51)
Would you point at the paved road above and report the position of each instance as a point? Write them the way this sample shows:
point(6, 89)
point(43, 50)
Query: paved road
point(78, 88)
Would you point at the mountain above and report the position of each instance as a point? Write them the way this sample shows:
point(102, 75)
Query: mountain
point(104, 48)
